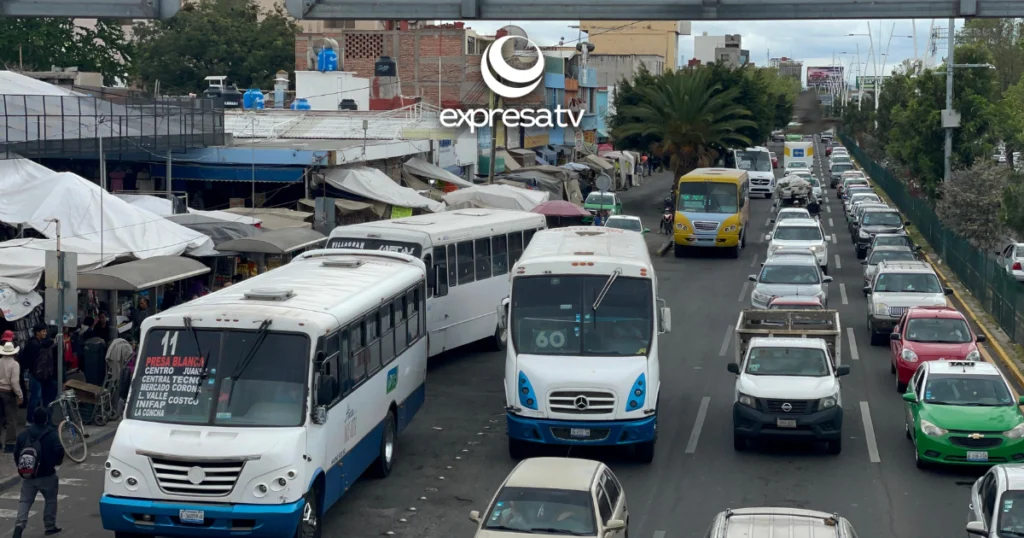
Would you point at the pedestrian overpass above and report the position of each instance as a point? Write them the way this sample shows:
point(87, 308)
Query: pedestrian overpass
point(688, 10)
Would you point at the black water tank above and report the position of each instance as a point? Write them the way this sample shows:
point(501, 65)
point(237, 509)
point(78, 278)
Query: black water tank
point(385, 67)
point(232, 97)
point(348, 104)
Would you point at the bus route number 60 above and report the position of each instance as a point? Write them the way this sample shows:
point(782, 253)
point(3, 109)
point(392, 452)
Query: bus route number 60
point(555, 339)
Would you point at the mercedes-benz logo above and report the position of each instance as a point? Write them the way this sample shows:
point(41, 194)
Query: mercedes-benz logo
point(581, 402)
point(196, 475)
point(787, 407)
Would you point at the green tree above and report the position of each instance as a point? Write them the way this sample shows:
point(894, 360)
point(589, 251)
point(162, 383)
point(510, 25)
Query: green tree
point(690, 114)
point(39, 44)
point(627, 93)
point(1011, 118)
point(233, 38)
point(971, 204)
point(1004, 40)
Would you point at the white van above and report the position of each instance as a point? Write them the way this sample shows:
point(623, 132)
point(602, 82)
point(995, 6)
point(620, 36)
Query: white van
point(583, 323)
point(757, 162)
point(255, 408)
point(467, 253)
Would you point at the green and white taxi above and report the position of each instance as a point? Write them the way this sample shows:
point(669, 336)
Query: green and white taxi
point(963, 413)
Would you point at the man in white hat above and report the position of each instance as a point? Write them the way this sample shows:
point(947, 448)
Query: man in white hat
point(10, 392)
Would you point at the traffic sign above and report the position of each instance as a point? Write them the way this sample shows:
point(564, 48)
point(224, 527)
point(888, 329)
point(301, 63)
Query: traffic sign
point(603, 182)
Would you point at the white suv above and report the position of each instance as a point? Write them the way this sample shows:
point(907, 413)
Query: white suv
point(800, 233)
point(896, 287)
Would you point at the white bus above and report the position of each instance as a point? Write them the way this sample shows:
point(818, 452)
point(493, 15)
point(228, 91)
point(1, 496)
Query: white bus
point(583, 322)
point(255, 408)
point(467, 253)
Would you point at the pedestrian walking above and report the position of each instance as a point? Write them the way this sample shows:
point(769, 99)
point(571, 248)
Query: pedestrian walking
point(37, 457)
point(10, 393)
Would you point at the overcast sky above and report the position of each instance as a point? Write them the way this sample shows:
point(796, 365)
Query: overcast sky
point(813, 42)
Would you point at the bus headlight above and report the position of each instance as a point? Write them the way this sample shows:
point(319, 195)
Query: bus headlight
point(637, 394)
point(731, 228)
point(681, 227)
point(527, 398)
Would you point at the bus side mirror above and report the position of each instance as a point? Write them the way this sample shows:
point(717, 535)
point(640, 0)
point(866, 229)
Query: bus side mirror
point(665, 319)
point(503, 314)
point(326, 389)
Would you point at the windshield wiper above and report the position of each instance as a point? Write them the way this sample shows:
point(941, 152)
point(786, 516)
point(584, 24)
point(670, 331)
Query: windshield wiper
point(206, 363)
point(556, 531)
point(260, 337)
point(604, 291)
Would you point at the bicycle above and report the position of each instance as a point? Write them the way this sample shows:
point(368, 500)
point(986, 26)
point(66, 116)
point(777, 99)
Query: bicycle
point(71, 430)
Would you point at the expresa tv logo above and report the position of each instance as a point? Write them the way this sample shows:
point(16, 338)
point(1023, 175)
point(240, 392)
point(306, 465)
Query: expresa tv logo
point(511, 83)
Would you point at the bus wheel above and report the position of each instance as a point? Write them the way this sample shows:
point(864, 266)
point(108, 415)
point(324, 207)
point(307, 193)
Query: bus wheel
point(388, 447)
point(518, 449)
point(644, 452)
point(309, 523)
point(680, 251)
point(734, 252)
point(128, 535)
point(500, 339)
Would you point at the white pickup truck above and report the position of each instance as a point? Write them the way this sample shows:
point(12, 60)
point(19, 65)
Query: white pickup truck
point(788, 365)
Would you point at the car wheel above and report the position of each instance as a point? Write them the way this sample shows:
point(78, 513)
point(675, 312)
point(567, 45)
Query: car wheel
point(892, 368)
point(877, 339)
point(901, 387)
point(835, 446)
point(767, 195)
point(739, 443)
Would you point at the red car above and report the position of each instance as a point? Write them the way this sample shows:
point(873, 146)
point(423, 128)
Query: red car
point(930, 333)
point(775, 159)
point(828, 149)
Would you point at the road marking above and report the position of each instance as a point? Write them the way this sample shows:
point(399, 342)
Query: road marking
point(7, 513)
point(743, 290)
point(828, 208)
point(869, 433)
point(16, 496)
point(767, 222)
point(830, 223)
point(853, 344)
point(659, 534)
point(834, 241)
point(842, 294)
point(753, 262)
point(839, 264)
point(702, 413)
point(725, 341)
point(72, 481)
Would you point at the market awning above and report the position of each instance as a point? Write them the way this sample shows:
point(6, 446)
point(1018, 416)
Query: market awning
point(140, 275)
point(277, 242)
point(511, 164)
point(419, 167)
point(600, 162)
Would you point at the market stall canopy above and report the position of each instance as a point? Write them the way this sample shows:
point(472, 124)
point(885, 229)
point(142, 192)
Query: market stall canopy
point(601, 164)
point(275, 243)
point(496, 197)
point(576, 167)
point(33, 194)
point(275, 218)
point(511, 164)
point(141, 274)
point(424, 169)
point(560, 182)
point(560, 208)
point(165, 208)
point(216, 229)
point(349, 206)
point(373, 184)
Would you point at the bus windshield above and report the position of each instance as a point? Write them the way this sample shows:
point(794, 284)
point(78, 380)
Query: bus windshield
point(221, 378)
point(708, 197)
point(554, 315)
point(754, 161)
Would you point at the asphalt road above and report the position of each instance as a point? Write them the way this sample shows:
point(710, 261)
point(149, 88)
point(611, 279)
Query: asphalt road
point(454, 455)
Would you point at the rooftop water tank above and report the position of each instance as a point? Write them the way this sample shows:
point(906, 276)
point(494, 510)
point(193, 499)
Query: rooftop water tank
point(327, 60)
point(348, 104)
point(385, 67)
point(301, 104)
point(232, 97)
point(253, 99)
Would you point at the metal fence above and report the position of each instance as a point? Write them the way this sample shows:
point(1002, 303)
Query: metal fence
point(999, 293)
point(71, 126)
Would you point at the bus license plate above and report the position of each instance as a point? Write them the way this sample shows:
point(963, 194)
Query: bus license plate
point(192, 516)
point(579, 433)
point(785, 423)
point(977, 455)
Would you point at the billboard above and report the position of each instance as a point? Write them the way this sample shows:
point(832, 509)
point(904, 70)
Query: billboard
point(868, 83)
point(824, 76)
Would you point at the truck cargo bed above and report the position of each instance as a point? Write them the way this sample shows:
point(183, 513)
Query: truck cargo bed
point(823, 324)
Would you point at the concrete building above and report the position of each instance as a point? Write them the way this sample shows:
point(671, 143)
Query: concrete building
point(611, 68)
point(704, 47)
point(643, 38)
point(731, 53)
point(788, 67)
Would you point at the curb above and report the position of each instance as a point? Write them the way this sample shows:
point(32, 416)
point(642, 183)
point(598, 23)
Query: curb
point(9, 481)
point(663, 250)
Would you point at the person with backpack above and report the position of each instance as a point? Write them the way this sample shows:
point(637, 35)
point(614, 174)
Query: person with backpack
point(37, 455)
point(10, 393)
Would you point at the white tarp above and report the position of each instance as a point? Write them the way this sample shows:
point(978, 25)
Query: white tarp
point(165, 208)
point(496, 197)
point(373, 184)
point(30, 194)
point(419, 167)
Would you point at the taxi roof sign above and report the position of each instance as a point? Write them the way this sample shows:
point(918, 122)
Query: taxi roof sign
point(960, 363)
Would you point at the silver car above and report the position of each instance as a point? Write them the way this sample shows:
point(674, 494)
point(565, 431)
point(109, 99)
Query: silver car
point(885, 254)
point(788, 276)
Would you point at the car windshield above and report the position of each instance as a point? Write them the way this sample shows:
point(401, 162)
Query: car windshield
point(542, 511)
point(881, 218)
point(797, 233)
point(625, 224)
point(555, 315)
point(708, 197)
point(938, 331)
point(892, 240)
point(796, 164)
point(891, 256)
point(907, 283)
point(600, 198)
point(1011, 514)
point(842, 167)
point(754, 161)
point(840, 158)
point(853, 183)
point(787, 361)
point(783, 215)
point(789, 274)
point(971, 390)
point(221, 378)
point(864, 198)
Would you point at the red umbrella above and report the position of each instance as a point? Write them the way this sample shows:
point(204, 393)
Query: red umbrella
point(560, 208)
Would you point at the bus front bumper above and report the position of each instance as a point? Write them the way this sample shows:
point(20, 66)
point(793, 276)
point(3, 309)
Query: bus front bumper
point(163, 518)
point(694, 240)
point(581, 432)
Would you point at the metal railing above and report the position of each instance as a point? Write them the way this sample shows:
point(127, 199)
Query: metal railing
point(998, 292)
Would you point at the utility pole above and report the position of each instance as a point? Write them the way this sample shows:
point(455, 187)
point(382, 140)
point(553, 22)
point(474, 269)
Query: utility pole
point(950, 119)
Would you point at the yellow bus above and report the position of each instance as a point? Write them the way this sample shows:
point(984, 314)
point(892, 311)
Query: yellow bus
point(712, 210)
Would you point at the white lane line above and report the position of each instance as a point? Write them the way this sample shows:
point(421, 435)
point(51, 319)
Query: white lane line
point(839, 264)
point(842, 294)
point(659, 534)
point(830, 223)
point(828, 208)
point(753, 262)
point(853, 344)
point(834, 241)
point(702, 413)
point(11, 514)
point(72, 481)
point(869, 433)
point(725, 341)
point(767, 222)
point(14, 496)
point(743, 291)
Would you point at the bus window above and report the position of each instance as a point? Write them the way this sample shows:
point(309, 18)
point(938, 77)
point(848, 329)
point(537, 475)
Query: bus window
point(465, 262)
point(441, 269)
point(401, 328)
point(387, 335)
point(344, 360)
point(453, 273)
point(412, 313)
point(428, 262)
point(483, 259)
point(373, 337)
point(360, 355)
point(499, 254)
point(527, 236)
point(515, 247)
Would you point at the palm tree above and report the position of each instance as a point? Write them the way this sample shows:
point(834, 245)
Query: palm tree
point(692, 116)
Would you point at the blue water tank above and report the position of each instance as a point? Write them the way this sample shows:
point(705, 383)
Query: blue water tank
point(301, 104)
point(253, 99)
point(327, 60)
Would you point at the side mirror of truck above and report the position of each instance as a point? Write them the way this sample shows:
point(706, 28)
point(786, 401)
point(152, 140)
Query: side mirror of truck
point(842, 370)
point(733, 368)
point(665, 319)
point(503, 314)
